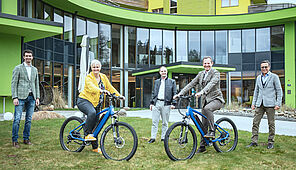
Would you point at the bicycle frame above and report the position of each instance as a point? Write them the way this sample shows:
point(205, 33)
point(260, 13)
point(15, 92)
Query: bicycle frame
point(110, 113)
point(190, 113)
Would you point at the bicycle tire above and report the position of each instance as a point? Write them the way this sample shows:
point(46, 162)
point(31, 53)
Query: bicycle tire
point(230, 143)
point(67, 143)
point(173, 142)
point(126, 145)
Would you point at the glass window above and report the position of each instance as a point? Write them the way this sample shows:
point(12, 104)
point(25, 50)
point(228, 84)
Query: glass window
point(68, 28)
point(48, 13)
point(173, 6)
point(116, 45)
point(248, 40)
point(31, 9)
point(221, 47)
point(155, 46)
point(182, 46)
point(142, 47)
point(262, 39)
point(93, 33)
point(22, 7)
point(58, 16)
point(168, 46)
point(105, 44)
point(80, 31)
point(225, 3)
point(116, 79)
point(207, 44)
point(131, 46)
point(194, 46)
point(234, 41)
point(39, 9)
point(277, 38)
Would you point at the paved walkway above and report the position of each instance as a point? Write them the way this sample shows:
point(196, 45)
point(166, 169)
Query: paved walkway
point(243, 123)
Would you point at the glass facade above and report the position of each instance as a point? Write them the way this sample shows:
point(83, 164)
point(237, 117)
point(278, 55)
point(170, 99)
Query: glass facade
point(123, 49)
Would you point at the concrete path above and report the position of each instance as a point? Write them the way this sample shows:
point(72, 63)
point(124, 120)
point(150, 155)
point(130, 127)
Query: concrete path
point(243, 123)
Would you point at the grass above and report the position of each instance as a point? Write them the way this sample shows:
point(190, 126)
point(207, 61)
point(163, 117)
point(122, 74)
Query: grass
point(46, 152)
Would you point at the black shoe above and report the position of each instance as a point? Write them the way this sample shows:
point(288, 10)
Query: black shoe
point(201, 149)
point(162, 140)
point(252, 144)
point(210, 135)
point(270, 146)
point(151, 141)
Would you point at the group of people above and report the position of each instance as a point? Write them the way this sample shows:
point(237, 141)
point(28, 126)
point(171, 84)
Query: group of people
point(267, 98)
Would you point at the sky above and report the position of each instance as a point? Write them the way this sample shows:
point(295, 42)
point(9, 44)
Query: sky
point(281, 1)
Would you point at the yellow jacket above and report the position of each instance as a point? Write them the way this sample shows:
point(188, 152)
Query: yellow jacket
point(92, 92)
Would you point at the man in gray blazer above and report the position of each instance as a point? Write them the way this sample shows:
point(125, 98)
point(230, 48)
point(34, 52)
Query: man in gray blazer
point(25, 93)
point(162, 102)
point(267, 98)
point(207, 83)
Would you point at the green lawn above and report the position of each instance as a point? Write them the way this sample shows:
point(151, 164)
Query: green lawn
point(46, 153)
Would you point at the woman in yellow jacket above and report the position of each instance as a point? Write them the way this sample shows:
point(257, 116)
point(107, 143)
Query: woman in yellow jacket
point(92, 96)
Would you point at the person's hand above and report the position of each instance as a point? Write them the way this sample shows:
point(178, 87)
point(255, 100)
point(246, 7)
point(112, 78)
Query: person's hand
point(16, 101)
point(176, 96)
point(253, 107)
point(105, 91)
point(198, 94)
point(172, 107)
point(151, 107)
point(37, 102)
point(276, 107)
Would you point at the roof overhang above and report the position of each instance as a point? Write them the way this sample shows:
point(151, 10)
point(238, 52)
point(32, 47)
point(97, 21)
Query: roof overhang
point(29, 28)
point(184, 68)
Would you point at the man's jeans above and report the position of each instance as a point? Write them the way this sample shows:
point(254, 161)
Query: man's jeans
point(29, 104)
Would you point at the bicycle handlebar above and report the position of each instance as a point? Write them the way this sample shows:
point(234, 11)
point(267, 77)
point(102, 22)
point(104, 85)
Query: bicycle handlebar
point(184, 97)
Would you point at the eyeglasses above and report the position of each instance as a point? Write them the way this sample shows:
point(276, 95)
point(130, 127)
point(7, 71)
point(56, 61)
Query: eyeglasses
point(264, 67)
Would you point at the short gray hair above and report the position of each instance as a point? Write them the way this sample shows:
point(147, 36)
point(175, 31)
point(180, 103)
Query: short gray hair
point(266, 61)
point(95, 62)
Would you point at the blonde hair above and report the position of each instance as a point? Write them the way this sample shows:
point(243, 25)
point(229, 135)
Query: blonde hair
point(95, 62)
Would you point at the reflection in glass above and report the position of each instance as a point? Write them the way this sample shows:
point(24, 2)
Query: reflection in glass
point(155, 46)
point(277, 38)
point(48, 13)
point(68, 28)
point(58, 17)
point(263, 39)
point(248, 40)
point(236, 85)
point(31, 8)
point(58, 76)
point(234, 41)
point(80, 31)
point(131, 90)
point(194, 46)
point(131, 46)
point(142, 47)
point(93, 33)
point(207, 45)
point(116, 45)
point(39, 9)
point(221, 47)
point(116, 79)
point(168, 46)
point(182, 46)
point(105, 44)
point(248, 87)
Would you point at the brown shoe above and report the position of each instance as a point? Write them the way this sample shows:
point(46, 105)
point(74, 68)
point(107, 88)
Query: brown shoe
point(15, 144)
point(27, 142)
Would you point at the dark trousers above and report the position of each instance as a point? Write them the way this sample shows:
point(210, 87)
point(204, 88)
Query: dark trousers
point(87, 108)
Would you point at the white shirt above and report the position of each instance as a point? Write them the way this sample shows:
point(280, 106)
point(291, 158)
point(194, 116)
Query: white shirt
point(29, 70)
point(206, 74)
point(161, 89)
point(264, 77)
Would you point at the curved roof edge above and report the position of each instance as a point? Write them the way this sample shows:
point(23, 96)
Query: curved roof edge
point(103, 12)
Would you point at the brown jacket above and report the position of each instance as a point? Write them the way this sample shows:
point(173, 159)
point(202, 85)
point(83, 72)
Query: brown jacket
point(210, 88)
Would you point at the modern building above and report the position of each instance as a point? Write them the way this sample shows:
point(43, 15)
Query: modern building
point(132, 43)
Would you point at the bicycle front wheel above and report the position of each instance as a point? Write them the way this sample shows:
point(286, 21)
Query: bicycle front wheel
point(180, 142)
point(123, 145)
point(67, 142)
point(224, 143)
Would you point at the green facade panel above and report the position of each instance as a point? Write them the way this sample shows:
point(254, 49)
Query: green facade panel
point(9, 7)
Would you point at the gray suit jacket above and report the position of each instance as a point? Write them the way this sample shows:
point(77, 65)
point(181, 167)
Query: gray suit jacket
point(20, 83)
point(210, 88)
point(270, 94)
point(170, 91)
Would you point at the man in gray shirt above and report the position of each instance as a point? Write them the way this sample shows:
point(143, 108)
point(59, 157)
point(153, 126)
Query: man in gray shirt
point(162, 102)
point(267, 98)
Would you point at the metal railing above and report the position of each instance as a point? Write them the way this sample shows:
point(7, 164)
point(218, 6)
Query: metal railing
point(269, 7)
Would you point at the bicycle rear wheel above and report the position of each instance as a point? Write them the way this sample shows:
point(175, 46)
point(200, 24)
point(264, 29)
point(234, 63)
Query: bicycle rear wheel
point(228, 144)
point(178, 144)
point(121, 147)
point(66, 141)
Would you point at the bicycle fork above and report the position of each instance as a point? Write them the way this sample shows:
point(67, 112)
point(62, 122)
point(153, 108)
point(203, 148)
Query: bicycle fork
point(183, 140)
point(118, 141)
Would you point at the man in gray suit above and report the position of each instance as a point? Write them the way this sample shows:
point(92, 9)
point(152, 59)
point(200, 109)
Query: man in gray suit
point(25, 93)
point(162, 102)
point(267, 98)
point(207, 83)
